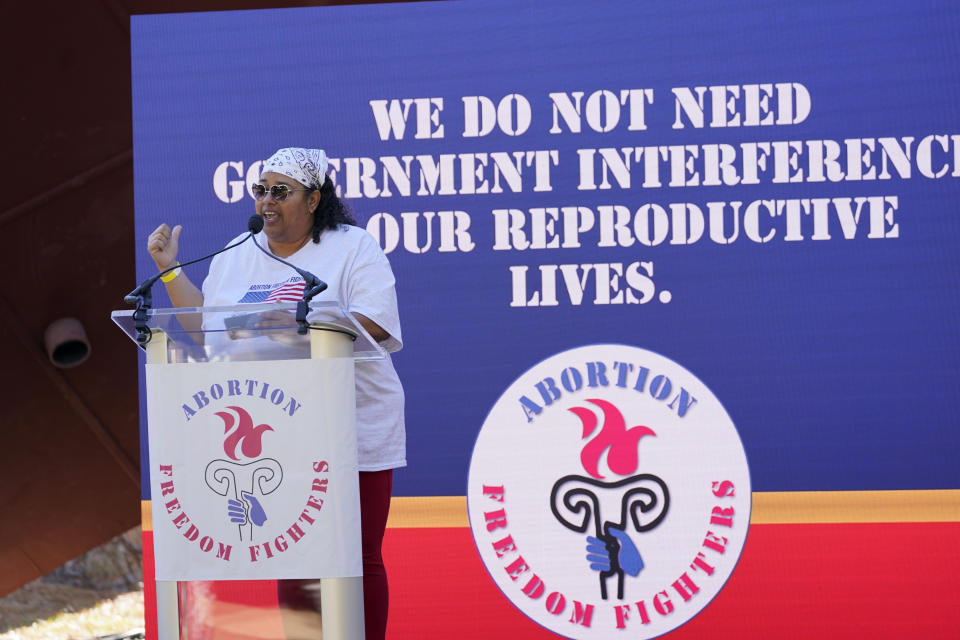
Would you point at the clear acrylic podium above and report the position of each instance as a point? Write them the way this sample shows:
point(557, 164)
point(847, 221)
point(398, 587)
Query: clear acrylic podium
point(258, 335)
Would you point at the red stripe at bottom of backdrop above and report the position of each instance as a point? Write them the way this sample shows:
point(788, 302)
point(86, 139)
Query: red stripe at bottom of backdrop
point(793, 581)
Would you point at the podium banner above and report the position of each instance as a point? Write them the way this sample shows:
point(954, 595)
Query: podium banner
point(254, 470)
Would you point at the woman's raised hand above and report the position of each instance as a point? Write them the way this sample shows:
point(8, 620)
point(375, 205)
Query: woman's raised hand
point(162, 245)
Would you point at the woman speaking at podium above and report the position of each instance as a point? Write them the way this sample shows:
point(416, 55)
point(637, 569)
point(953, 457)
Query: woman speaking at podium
point(306, 224)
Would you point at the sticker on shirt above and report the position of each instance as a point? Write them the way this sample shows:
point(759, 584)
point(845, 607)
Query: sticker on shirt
point(609, 492)
point(290, 290)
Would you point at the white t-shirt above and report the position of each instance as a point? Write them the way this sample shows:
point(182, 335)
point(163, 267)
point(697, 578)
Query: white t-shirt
point(358, 275)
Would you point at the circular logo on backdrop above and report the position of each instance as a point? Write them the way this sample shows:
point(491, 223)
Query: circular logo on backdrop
point(608, 493)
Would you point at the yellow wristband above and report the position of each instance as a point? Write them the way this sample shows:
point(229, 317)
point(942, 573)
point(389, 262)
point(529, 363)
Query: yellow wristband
point(167, 277)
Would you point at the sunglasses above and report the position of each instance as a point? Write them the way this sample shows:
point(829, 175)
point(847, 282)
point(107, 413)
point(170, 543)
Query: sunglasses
point(278, 192)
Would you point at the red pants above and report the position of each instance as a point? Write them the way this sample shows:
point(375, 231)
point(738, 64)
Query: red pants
point(375, 490)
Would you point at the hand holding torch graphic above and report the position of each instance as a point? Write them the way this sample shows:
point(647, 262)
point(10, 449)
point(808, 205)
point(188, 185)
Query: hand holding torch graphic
point(242, 481)
point(644, 499)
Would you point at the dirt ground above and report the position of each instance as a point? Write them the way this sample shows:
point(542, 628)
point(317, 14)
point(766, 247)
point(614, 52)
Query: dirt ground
point(98, 576)
point(40, 601)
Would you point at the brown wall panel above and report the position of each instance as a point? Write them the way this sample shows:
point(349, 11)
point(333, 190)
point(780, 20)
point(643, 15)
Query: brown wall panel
point(68, 464)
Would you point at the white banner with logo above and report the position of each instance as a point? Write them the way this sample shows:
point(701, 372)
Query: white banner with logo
point(253, 469)
point(609, 493)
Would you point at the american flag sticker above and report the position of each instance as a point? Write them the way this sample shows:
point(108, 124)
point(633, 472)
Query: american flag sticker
point(290, 291)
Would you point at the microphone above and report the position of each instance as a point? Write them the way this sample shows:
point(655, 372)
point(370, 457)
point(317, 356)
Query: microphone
point(314, 285)
point(143, 297)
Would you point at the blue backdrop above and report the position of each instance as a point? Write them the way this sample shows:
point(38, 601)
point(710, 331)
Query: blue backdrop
point(836, 358)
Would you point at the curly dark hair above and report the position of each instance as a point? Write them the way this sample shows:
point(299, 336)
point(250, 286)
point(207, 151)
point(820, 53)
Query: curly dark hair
point(331, 212)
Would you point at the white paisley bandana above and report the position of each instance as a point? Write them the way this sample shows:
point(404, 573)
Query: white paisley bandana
point(306, 166)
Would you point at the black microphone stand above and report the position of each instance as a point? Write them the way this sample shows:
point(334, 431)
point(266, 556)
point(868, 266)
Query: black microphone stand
point(313, 286)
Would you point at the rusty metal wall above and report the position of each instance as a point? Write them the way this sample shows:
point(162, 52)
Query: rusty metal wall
point(69, 477)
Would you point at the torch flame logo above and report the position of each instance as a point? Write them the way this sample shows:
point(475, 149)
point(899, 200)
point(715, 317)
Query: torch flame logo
point(241, 431)
point(644, 498)
point(623, 458)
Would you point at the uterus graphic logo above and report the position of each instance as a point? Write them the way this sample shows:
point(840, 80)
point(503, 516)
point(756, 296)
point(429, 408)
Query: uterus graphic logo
point(246, 477)
point(609, 463)
point(644, 499)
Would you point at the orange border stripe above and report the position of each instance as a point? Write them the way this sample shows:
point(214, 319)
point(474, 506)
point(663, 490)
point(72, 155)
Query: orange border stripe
point(776, 507)
point(773, 507)
point(440, 511)
point(801, 507)
point(146, 515)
